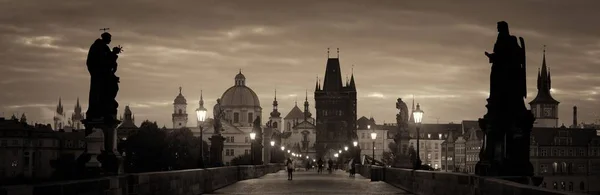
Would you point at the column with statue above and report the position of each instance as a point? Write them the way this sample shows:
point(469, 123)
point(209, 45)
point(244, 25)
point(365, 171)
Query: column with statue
point(401, 137)
point(101, 156)
point(507, 124)
point(217, 140)
point(258, 143)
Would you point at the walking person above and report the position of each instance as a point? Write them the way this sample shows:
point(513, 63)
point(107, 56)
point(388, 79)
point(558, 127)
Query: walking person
point(320, 166)
point(290, 168)
point(351, 168)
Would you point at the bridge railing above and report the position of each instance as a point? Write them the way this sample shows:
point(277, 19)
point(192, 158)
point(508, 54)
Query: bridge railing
point(444, 183)
point(191, 181)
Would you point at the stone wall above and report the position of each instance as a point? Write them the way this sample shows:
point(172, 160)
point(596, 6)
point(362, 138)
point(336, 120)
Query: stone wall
point(181, 182)
point(444, 183)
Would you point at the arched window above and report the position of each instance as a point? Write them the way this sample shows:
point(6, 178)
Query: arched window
point(274, 124)
point(555, 186)
point(571, 186)
point(564, 167)
point(289, 126)
point(562, 185)
point(180, 111)
point(250, 118)
point(554, 168)
point(581, 186)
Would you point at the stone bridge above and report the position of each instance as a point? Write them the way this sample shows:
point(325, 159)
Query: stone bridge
point(271, 179)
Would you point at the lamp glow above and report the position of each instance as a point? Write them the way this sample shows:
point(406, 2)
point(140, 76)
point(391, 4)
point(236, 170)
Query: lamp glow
point(288, 151)
point(201, 114)
point(272, 143)
point(418, 114)
point(355, 143)
point(340, 151)
point(368, 126)
point(282, 148)
point(346, 148)
point(373, 136)
point(306, 157)
point(252, 136)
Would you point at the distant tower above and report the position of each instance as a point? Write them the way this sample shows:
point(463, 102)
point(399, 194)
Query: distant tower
point(275, 117)
point(307, 113)
point(77, 117)
point(59, 116)
point(335, 106)
point(543, 106)
point(574, 117)
point(180, 116)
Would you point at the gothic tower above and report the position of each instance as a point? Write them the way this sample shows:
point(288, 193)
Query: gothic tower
point(180, 116)
point(275, 117)
point(77, 116)
point(307, 113)
point(543, 106)
point(59, 116)
point(335, 106)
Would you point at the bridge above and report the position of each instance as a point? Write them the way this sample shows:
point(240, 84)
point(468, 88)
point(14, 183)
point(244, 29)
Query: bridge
point(271, 179)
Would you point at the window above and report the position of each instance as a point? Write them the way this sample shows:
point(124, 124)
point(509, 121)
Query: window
point(246, 140)
point(555, 168)
point(581, 153)
point(289, 126)
point(274, 124)
point(555, 186)
point(570, 186)
point(362, 135)
point(180, 112)
point(581, 186)
point(250, 118)
point(440, 135)
point(562, 185)
point(436, 145)
point(429, 135)
point(229, 152)
point(543, 168)
point(236, 117)
point(246, 152)
point(544, 152)
point(15, 142)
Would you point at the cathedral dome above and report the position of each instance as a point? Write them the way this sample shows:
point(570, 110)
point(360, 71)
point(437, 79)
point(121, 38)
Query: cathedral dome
point(240, 94)
point(180, 99)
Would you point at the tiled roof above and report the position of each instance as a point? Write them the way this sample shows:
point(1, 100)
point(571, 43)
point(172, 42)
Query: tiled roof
point(295, 113)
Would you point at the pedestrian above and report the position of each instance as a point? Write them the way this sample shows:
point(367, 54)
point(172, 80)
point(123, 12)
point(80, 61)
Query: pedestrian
point(320, 166)
point(351, 167)
point(290, 168)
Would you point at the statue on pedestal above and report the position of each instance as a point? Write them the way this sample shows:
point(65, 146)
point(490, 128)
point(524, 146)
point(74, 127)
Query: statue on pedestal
point(101, 116)
point(216, 140)
point(402, 137)
point(507, 123)
point(258, 142)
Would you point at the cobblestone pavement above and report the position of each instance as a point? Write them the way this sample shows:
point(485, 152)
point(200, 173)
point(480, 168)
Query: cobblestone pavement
point(310, 182)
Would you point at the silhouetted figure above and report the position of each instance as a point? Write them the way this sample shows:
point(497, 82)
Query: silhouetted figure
point(330, 164)
point(290, 168)
point(320, 166)
point(102, 66)
point(218, 114)
point(507, 123)
point(507, 79)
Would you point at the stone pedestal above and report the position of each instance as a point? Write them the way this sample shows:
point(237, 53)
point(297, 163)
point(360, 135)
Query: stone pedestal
point(505, 150)
point(216, 150)
point(102, 147)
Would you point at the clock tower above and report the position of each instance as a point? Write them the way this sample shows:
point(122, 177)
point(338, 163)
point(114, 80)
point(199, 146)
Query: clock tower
point(543, 106)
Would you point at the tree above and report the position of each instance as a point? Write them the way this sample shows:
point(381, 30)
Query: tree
point(183, 149)
point(145, 150)
point(388, 158)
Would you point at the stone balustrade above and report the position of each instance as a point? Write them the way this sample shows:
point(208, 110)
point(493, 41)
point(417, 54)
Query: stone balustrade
point(180, 182)
point(445, 183)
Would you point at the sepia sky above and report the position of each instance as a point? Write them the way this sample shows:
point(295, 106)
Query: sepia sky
point(399, 48)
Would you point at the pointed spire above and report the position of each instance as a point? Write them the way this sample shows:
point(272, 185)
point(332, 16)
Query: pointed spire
point(275, 112)
point(317, 84)
point(180, 89)
point(201, 100)
point(306, 96)
point(275, 95)
point(352, 84)
point(240, 71)
point(328, 52)
point(338, 52)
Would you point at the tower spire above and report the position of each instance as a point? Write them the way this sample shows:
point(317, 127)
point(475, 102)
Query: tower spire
point(180, 89)
point(328, 52)
point(338, 52)
point(201, 99)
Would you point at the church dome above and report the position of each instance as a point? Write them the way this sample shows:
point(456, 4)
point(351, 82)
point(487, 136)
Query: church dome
point(180, 99)
point(240, 94)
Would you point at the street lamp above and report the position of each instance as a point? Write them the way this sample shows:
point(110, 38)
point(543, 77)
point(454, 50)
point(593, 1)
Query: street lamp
point(355, 143)
point(340, 151)
point(373, 137)
point(272, 150)
point(252, 137)
point(201, 116)
point(418, 116)
point(346, 148)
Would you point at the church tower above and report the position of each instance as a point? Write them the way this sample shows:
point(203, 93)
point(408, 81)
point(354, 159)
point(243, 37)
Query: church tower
point(59, 116)
point(307, 113)
point(335, 107)
point(180, 116)
point(77, 116)
point(543, 106)
point(275, 117)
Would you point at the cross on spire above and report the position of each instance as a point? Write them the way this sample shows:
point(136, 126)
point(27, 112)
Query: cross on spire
point(104, 29)
point(328, 52)
point(180, 90)
point(338, 52)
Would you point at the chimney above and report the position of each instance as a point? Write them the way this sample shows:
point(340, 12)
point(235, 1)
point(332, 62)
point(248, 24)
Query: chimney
point(574, 116)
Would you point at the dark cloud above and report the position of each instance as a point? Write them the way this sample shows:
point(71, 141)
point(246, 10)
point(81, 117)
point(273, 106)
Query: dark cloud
point(430, 49)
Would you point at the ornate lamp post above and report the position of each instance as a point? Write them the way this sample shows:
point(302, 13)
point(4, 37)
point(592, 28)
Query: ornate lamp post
point(201, 116)
point(252, 137)
point(418, 116)
point(373, 137)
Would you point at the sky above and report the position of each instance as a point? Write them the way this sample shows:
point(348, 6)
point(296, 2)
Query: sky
point(433, 50)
